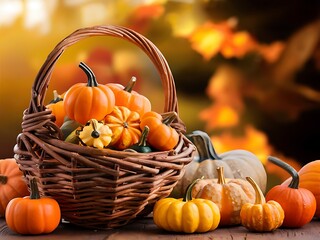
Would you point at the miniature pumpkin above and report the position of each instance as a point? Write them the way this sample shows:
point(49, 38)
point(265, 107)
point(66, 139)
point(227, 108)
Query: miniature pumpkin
point(161, 136)
point(126, 97)
point(57, 108)
point(33, 215)
point(186, 215)
point(124, 124)
point(95, 134)
point(261, 216)
point(228, 194)
point(299, 204)
point(12, 184)
point(83, 102)
point(236, 164)
point(309, 176)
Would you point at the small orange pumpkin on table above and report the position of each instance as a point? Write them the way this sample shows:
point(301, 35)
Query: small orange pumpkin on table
point(299, 204)
point(33, 214)
point(12, 184)
point(261, 216)
point(309, 178)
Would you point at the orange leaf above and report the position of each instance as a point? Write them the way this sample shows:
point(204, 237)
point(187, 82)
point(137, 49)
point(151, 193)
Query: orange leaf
point(220, 116)
point(239, 44)
point(208, 38)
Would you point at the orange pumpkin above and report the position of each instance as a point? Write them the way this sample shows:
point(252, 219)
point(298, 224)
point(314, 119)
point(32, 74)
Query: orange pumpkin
point(33, 215)
point(161, 135)
point(261, 216)
point(309, 176)
point(126, 97)
point(229, 194)
point(12, 184)
point(299, 204)
point(57, 108)
point(83, 101)
point(124, 125)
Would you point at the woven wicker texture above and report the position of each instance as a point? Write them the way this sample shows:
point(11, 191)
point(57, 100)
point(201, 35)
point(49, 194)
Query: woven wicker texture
point(99, 188)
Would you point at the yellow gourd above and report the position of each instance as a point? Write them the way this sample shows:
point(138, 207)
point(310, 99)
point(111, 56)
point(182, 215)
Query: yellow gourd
point(186, 215)
point(95, 134)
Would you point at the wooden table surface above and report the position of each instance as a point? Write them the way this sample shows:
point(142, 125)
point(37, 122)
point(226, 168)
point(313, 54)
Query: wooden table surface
point(144, 229)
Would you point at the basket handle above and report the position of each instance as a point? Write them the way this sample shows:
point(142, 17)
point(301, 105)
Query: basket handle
point(43, 77)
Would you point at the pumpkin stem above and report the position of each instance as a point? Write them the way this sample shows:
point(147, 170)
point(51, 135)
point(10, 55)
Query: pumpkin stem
point(221, 179)
point(294, 174)
point(34, 190)
point(92, 81)
point(143, 139)
point(188, 195)
point(130, 85)
point(141, 145)
point(3, 179)
point(56, 97)
point(260, 199)
point(204, 145)
point(95, 133)
point(169, 118)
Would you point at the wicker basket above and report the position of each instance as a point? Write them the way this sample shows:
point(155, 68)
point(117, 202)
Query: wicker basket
point(95, 188)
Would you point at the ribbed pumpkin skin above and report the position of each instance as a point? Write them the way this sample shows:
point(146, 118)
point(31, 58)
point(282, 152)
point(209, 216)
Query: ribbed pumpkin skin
point(32, 214)
point(125, 125)
point(261, 216)
point(132, 100)
point(82, 102)
point(229, 197)
point(299, 205)
point(12, 184)
point(310, 179)
point(196, 215)
point(161, 136)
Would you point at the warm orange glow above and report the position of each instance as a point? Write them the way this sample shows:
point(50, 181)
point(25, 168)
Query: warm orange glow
point(208, 38)
point(252, 140)
point(238, 45)
point(219, 116)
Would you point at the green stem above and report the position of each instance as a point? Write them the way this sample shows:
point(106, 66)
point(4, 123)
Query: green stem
point(34, 190)
point(130, 85)
point(92, 81)
point(3, 179)
point(188, 194)
point(294, 174)
point(143, 139)
point(204, 145)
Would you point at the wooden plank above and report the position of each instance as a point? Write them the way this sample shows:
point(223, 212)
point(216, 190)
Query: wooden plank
point(144, 229)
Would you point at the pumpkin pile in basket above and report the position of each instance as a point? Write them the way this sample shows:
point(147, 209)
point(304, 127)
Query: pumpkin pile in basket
point(112, 116)
point(98, 149)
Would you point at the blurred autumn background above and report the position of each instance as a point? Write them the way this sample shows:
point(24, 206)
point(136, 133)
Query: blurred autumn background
point(246, 72)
